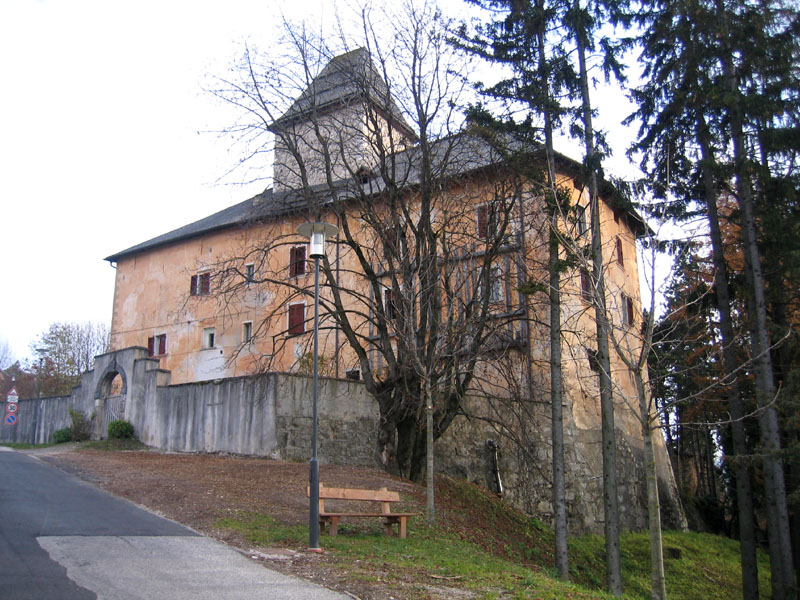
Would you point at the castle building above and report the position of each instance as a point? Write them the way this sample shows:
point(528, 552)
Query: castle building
point(232, 294)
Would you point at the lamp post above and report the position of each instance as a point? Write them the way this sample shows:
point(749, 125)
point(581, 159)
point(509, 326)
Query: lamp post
point(40, 352)
point(316, 234)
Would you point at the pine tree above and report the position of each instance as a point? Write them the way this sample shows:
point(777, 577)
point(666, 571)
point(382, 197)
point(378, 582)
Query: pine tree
point(710, 87)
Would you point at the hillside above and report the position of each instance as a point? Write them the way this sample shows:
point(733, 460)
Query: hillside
point(480, 548)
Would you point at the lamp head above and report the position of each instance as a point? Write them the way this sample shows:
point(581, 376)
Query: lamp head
point(316, 234)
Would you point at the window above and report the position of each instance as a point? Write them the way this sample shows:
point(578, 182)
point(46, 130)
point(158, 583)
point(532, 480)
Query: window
point(392, 241)
point(620, 258)
point(594, 365)
point(249, 272)
point(247, 331)
point(362, 175)
point(297, 261)
point(496, 284)
point(581, 224)
point(297, 319)
point(209, 337)
point(627, 310)
point(586, 285)
point(200, 285)
point(486, 221)
point(157, 345)
point(389, 305)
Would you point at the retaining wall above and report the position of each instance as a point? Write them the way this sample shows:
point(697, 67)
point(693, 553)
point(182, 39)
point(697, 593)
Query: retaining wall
point(270, 415)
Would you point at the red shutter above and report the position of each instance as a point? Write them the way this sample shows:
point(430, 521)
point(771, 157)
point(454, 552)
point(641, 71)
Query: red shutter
point(483, 221)
point(151, 346)
point(193, 286)
point(629, 309)
point(205, 284)
point(301, 260)
point(297, 317)
point(162, 344)
point(620, 260)
point(292, 262)
point(297, 261)
point(586, 286)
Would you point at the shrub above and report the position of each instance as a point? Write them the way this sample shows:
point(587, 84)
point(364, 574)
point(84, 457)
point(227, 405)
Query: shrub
point(81, 427)
point(62, 435)
point(119, 429)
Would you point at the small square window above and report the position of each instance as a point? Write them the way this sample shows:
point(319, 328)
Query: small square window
point(297, 319)
point(247, 331)
point(157, 345)
point(209, 337)
point(297, 261)
point(249, 272)
point(200, 284)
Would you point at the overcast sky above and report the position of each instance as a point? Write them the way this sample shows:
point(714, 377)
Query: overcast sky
point(103, 143)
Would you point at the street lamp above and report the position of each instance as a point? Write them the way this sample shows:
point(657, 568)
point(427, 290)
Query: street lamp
point(316, 234)
point(40, 352)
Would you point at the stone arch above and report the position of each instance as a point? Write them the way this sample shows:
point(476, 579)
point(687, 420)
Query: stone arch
point(113, 369)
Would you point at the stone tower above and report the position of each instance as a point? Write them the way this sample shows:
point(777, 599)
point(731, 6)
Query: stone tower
point(339, 126)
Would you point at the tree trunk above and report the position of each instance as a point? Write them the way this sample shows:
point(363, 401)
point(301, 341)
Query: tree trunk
point(430, 509)
point(744, 489)
point(609, 449)
point(557, 420)
point(657, 578)
point(556, 373)
point(780, 549)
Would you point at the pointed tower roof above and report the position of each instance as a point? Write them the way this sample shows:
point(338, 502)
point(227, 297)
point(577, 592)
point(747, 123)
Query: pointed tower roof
point(346, 78)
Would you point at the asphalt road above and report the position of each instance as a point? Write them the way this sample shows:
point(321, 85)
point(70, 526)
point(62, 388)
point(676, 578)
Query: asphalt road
point(63, 539)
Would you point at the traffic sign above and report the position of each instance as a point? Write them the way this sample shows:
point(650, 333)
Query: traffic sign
point(11, 419)
point(12, 395)
point(11, 407)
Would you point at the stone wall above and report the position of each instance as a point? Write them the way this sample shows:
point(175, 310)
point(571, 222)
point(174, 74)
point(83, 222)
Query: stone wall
point(271, 415)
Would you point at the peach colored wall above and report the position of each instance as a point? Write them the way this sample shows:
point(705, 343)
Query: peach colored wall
point(152, 298)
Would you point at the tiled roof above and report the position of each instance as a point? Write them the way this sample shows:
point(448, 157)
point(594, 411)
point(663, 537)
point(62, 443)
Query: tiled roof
point(452, 157)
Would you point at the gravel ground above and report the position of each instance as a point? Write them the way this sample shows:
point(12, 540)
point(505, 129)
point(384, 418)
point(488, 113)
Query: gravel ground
point(199, 489)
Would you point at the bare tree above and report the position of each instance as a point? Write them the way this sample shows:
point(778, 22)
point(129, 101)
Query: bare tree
point(6, 355)
point(69, 350)
point(419, 285)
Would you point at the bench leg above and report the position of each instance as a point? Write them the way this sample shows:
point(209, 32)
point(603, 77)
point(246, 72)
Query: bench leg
point(334, 526)
point(387, 526)
point(402, 527)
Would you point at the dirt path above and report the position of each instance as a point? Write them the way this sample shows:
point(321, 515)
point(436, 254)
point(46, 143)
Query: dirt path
point(199, 489)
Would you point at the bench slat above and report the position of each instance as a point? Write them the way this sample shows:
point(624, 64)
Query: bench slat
point(327, 493)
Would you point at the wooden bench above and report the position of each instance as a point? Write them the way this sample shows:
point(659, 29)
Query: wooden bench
point(384, 496)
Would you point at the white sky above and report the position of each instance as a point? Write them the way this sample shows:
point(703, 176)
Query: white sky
point(101, 139)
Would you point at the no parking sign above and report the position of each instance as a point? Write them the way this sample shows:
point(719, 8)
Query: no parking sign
point(11, 406)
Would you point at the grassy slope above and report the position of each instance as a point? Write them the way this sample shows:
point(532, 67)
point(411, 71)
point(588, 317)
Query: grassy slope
point(483, 545)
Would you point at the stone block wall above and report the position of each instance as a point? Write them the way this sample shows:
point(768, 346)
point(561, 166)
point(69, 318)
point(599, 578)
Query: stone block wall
point(271, 416)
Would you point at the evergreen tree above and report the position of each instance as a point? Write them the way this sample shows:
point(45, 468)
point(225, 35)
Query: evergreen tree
point(710, 88)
